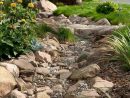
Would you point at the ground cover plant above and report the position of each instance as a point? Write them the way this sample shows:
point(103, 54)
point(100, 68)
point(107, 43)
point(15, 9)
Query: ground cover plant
point(88, 9)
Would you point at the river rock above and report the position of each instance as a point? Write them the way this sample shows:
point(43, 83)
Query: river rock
point(7, 82)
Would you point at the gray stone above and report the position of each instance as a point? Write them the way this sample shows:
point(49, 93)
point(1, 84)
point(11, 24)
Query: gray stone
point(103, 21)
point(23, 64)
point(86, 72)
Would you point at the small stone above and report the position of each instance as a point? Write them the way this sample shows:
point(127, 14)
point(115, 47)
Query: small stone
point(90, 93)
point(79, 85)
point(41, 56)
point(42, 95)
point(64, 74)
point(86, 72)
point(45, 65)
point(58, 88)
point(103, 85)
point(42, 70)
point(46, 89)
point(17, 94)
point(103, 21)
point(21, 84)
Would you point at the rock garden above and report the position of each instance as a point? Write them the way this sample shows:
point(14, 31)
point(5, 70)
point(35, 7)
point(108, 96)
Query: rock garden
point(57, 50)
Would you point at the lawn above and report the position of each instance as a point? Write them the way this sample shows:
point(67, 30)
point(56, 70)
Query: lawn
point(88, 9)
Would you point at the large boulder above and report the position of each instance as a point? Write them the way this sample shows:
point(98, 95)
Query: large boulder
point(93, 31)
point(46, 6)
point(7, 82)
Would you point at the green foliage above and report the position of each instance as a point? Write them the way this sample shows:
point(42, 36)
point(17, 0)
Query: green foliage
point(87, 9)
point(105, 8)
point(65, 35)
point(16, 29)
point(42, 30)
point(120, 43)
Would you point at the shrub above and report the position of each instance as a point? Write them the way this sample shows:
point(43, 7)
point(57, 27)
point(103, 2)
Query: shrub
point(65, 35)
point(106, 7)
point(16, 28)
point(120, 43)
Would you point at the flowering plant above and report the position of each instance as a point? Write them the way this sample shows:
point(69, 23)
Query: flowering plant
point(16, 28)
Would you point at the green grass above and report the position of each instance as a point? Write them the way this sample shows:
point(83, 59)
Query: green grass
point(88, 9)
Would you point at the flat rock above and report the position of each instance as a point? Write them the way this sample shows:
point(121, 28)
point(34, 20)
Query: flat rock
point(103, 85)
point(90, 93)
point(86, 72)
point(7, 82)
point(42, 70)
point(23, 64)
point(89, 31)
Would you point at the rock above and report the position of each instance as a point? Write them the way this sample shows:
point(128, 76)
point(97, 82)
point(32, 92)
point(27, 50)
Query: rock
point(45, 65)
point(58, 88)
point(28, 56)
point(90, 93)
point(21, 84)
point(23, 64)
point(12, 68)
point(47, 6)
point(80, 85)
point(103, 85)
point(65, 21)
point(46, 89)
point(93, 31)
point(17, 94)
point(64, 74)
point(86, 72)
point(42, 70)
point(42, 95)
point(44, 14)
point(78, 20)
point(41, 56)
point(78, 1)
point(7, 82)
point(54, 53)
point(103, 21)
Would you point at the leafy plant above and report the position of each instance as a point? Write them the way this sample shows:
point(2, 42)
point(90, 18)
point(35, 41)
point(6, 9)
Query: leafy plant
point(105, 8)
point(16, 28)
point(120, 43)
